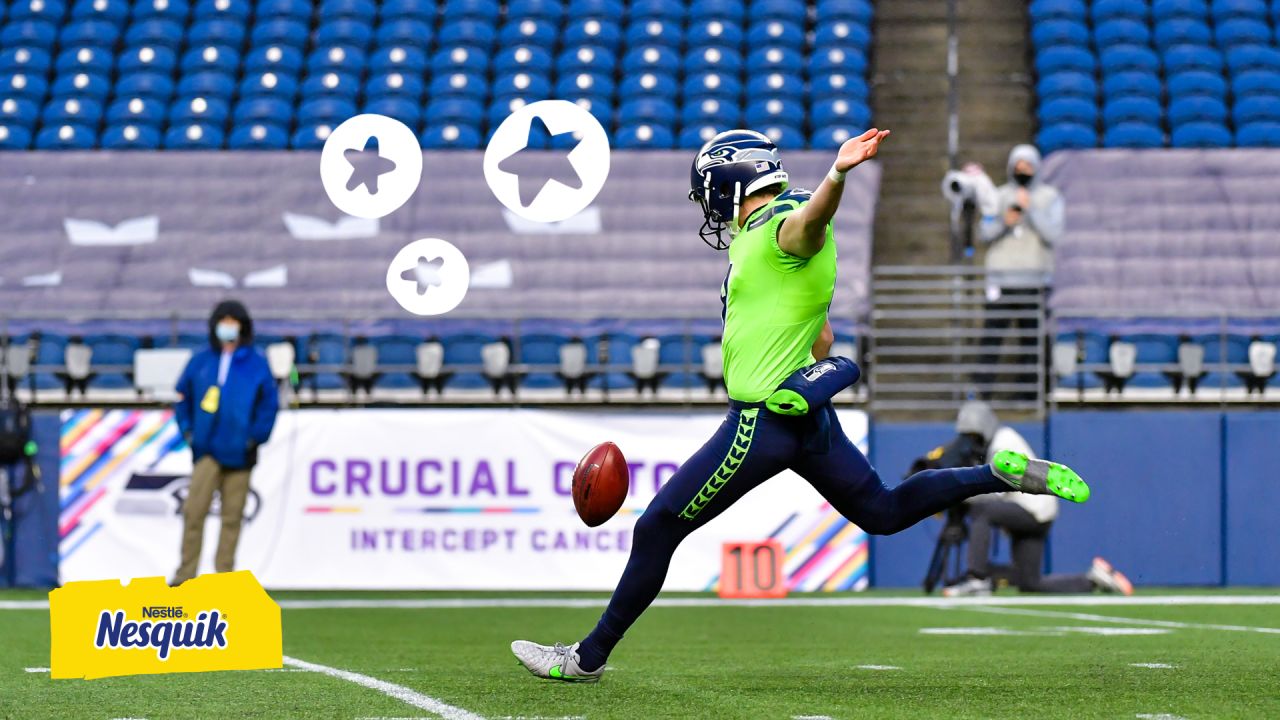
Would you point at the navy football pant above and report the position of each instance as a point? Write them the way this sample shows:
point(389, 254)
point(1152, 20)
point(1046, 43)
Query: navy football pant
point(751, 446)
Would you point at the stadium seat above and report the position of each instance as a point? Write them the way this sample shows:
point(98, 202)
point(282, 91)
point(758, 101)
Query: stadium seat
point(838, 84)
point(1133, 135)
point(695, 136)
point(459, 59)
point(85, 59)
point(1201, 135)
point(837, 112)
point(1120, 58)
point(397, 58)
point(786, 137)
point(449, 136)
point(1132, 109)
point(830, 138)
point(702, 85)
point(477, 34)
point(470, 9)
point(1066, 136)
point(645, 136)
point(112, 361)
point(1166, 9)
point(145, 84)
point(261, 109)
point(534, 85)
point(24, 60)
point(276, 58)
point(195, 136)
point(791, 35)
point(238, 10)
point(530, 59)
point(1061, 110)
point(1065, 58)
point(269, 84)
point(648, 85)
point(258, 136)
point(99, 33)
point(651, 111)
point(842, 34)
point(1067, 84)
point(599, 32)
point(1182, 58)
point(330, 84)
point(32, 33)
point(131, 137)
point(137, 111)
point(72, 111)
point(1255, 82)
point(774, 58)
point(838, 60)
point(713, 58)
point(1043, 10)
point(651, 58)
point(1258, 134)
point(201, 110)
point(1120, 31)
point(404, 86)
point(406, 111)
point(310, 137)
point(208, 83)
point(1197, 108)
point(833, 10)
point(299, 10)
point(325, 110)
point(353, 33)
point(367, 10)
point(404, 31)
point(654, 31)
point(711, 111)
point(775, 111)
point(153, 58)
point(65, 137)
point(18, 112)
point(714, 32)
point(221, 32)
point(595, 8)
point(1242, 31)
point(14, 137)
point(1253, 57)
point(222, 60)
point(280, 31)
point(1132, 83)
point(1256, 109)
point(1180, 31)
point(155, 31)
point(549, 10)
point(1225, 10)
point(1197, 82)
point(337, 58)
point(461, 111)
point(82, 85)
point(1104, 10)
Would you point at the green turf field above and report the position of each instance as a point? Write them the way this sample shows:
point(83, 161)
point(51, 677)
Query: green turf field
point(1185, 660)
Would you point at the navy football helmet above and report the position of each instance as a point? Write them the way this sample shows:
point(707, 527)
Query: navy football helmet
point(731, 166)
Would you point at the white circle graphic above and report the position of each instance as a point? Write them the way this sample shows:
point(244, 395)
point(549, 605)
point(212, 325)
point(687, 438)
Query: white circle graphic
point(555, 201)
point(365, 182)
point(429, 277)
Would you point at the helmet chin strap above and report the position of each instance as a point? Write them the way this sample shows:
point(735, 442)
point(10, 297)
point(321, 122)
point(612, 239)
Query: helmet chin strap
point(737, 203)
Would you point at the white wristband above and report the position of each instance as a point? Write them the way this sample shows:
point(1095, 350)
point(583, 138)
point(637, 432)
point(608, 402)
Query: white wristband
point(834, 175)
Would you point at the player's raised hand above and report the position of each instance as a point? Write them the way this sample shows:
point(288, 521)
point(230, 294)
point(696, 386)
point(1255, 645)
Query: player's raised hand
point(860, 149)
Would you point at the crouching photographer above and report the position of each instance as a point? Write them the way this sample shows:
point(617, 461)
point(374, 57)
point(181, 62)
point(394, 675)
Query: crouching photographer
point(1026, 519)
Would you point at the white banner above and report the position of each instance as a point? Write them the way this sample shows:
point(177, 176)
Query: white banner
point(427, 499)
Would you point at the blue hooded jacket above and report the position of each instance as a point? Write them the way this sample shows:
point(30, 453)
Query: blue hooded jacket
point(247, 404)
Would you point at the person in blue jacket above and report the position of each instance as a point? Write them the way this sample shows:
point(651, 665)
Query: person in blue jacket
point(226, 409)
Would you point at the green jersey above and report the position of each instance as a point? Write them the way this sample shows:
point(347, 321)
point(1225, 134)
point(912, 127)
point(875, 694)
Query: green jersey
point(775, 303)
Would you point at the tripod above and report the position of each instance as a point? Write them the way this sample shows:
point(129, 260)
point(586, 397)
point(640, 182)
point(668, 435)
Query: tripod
point(948, 551)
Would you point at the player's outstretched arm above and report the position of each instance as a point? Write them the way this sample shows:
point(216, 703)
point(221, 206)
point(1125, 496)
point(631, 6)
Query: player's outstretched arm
point(804, 232)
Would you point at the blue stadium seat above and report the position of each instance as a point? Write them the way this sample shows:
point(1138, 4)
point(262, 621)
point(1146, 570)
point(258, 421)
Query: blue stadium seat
point(1182, 31)
point(786, 137)
point(463, 358)
point(112, 11)
point(331, 84)
point(24, 60)
point(299, 10)
point(258, 136)
point(424, 10)
point(584, 83)
point(355, 33)
point(199, 110)
point(310, 137)
point(221, 32)
point(404, 31)
point(645, 136)
point(146, 84)
point(235, 10)
point(261, 109)
point(1223, 10)
point(711, 111)
point(1133, 135)
point(727, 10)
point(1064, 58)
point(363, 10)
point(397, 58)
point(137, 111)
point(838, 60)
point(550, 10)
point(540, 351)
point(46, 10)
point(1259, 134)
point(533, 59)
point(328, 350)
point(525, 83)
point(210, 84)
point(1201, 135)
point(277, 58)
point(337, 58)
point(842, 34)
point(1255, 82)
point(82, 84)
point(131, 137)
point(695, 136)
point(1253, 57)
point(471, 33)
point(783, 34)
point(1197, 108)
point(18, 112)
point(701, 85)
point(640, 10)
point(651, 58)
point(459, 111)
point(1060, 110)
point(595, 8)
point(1120, 31)
point(1067, 84)
point(196, 136)
point(326, 111)
point(1042, 10)
point(33, 33)
point(778, 111)
point(1132, 109)
point(1256, 109)
point(470, 10)
point(155, 31)
point(406, 111)
point(773, 58)
point(114, 355)
point(1197, 82)
point(84, 59)
point(655, 31)
point(72, 111)
point(459, 59)
point(648, 84)
point(1181, 58)
point(154, 58)
point(792, 10)
point(1052, 138)
point(1242, 31)
point(1134, 82)
point(837, 112)
point(176, 10)
point(837, 84)
point(1059, 32)
point(650, 110)
point(281, 31)
point(222, 60)
point(714, 32)
point(781, 85)
point(402, 86)
point(831, 10)
point(269, 84)
point(65, 137)
point(1104, 10)
point(24, 85)
point(500, 108)
point(713, 58)
point(830, 137)
point(449, 136)
point(1194, 9)
point(591, 31)
point(600, 108)
point(1121, 58)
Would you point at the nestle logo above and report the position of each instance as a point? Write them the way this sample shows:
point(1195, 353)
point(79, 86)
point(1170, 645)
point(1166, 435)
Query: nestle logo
point(160, 611)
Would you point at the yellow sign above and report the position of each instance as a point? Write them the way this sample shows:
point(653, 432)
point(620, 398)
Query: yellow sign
point(102, 628)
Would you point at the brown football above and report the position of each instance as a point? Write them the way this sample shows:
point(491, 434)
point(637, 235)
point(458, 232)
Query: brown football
point(600, 484)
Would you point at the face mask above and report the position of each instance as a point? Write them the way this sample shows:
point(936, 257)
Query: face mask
point(227, 333)
point(1023, 179)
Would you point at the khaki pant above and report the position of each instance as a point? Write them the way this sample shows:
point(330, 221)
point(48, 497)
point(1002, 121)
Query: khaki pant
point(233, 487)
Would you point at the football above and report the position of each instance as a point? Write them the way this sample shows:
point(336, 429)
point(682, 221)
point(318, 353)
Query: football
point(600, 484)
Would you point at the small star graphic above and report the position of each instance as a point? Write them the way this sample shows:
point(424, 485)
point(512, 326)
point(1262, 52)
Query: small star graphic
point(426, 274)
point(367, 166)
point(536, 168)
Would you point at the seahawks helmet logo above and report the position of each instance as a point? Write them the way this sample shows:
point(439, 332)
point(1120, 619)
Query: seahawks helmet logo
point(725, 154)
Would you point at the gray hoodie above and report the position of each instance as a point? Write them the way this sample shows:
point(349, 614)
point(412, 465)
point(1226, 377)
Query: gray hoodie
point(1021, 255)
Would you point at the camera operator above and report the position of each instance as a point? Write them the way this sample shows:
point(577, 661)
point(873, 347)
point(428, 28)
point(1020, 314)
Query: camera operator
point(1025, 518)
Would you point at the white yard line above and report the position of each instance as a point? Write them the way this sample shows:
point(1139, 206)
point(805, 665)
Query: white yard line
point(795, 601)
point(1123, 620)
point(36, 670)
point(878, 667)
point(1154, 666)
point(399, 692)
